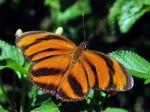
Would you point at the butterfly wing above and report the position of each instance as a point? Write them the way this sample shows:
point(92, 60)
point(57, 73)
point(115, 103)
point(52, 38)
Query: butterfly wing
point(47, 73)
point(105, 73)
point(39, 44)
point(75, 85)
point(53, 69)
point(50, 55)
point(93, 70)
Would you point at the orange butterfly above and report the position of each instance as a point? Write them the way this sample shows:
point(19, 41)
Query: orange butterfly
point(67, 71)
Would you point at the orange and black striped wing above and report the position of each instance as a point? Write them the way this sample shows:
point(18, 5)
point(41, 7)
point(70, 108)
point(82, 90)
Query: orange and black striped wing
point(105, 73)
point(47, 73)
point(37, 45)
point(75, 85)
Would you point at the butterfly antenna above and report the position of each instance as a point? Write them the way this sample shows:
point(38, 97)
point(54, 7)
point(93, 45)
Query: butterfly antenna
point(84, 33)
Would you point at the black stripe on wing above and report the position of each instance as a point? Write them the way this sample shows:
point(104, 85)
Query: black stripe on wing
point(46, 72)
point(46, 50)
point(63, 96)
point(38, 40)
point(129, 79)
point(49, 88)
point(43, 71)
point(111, 70)
point(75, 86)
point(93, 68)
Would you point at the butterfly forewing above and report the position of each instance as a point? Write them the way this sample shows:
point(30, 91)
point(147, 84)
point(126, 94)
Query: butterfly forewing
point(37, 45)
point(46, 74)
point(48, 52)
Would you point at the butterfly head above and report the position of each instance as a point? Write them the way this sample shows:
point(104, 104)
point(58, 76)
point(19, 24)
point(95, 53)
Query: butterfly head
point(83, 45)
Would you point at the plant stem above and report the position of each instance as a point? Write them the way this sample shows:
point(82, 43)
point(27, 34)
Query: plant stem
point(6, 97)
point(13, 93)
point(97, 102)
point(23, 94)
point(101, 103)
point(93, 102)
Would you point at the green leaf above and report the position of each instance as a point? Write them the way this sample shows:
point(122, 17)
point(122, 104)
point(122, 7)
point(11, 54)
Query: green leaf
point(2, 2)
point(85, 111)
point(2, 95)
point(11, 52)
point(75, 10)
point(2, 109)
point(72, 12)
point(90, 96)
point(103, 94)
point(136, 65)
point(110, 109)
point(47, 106)
point(55, 4)
point(145, 2)
point(127, 12)
point(32, 95)
point(11, 57)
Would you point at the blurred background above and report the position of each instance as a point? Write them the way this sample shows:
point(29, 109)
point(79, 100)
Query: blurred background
point(110, 25)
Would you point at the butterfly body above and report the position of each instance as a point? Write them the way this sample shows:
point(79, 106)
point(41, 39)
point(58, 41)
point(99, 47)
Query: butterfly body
point(69, 71)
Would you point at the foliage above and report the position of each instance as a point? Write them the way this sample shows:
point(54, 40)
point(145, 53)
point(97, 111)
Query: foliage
point(2, 2)
point(2, 109)
point(136, 65)
point(47, 106)
point(115, 110)
point(72, 12)
point(11, 57)
point(127, 12)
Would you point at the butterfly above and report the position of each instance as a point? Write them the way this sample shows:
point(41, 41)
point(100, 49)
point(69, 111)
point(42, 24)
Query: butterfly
point(69, 71)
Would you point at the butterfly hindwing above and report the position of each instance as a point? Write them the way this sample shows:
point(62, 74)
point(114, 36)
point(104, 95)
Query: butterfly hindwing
point(105, 73)
point(75, 86)
point(39, 44)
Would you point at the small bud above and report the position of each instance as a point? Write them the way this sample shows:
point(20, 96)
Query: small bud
point(59, 31)
point(18, 32)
